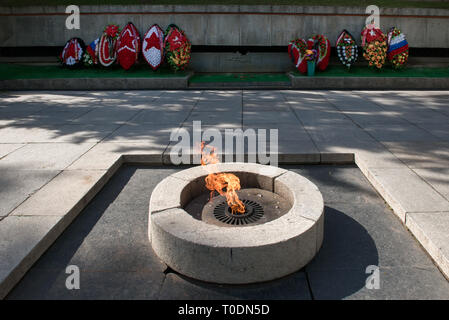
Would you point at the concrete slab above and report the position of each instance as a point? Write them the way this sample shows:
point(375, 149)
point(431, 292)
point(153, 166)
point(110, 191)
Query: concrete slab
point(438, 178)
point(441, 131)
point(431, 230)
point(425, 116)
point(107, 115)
point(177, 287)
point(399, 133)
point(80, 133)
point(73, 190)
point(159, 117)
point(421, 154)
point(44, 156)
point(92, 284)
point(52, 115)
point(22, 241)
point(338, 135)
point(7, 148)
point(157, 135)
point(180, 82)
point(388, 241)
point(104, 156)
point(395, 283)
point(406, 192)
point(322, 117)
point(18, 185)
point(26, 134)
point(214, 118)
point(363, 83)
point(375, 156)
point(231, 107)
point(345, 184)
point(257, 105)
point(262, 117)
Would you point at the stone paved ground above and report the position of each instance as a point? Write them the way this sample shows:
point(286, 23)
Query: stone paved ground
point(109, 243)
point(57, 150)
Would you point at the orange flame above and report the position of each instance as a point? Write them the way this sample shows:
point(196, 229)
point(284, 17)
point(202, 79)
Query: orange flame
point(226, 184)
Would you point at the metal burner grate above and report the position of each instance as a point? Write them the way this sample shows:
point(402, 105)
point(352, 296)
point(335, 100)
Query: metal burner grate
point(253, 212)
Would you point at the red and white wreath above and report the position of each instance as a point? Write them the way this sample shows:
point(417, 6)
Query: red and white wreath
point(153, 46)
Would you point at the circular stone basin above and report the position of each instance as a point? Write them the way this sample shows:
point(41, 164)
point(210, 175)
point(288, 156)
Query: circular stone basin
point(261, 207)
point(187, 234)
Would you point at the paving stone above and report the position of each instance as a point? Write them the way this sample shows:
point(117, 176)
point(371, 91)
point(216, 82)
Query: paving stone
point(343, 184)
point(265, 106)
point(178, 287)
point(44, 156)
point(360, 234)
point(401, 283)
point(107, 115)
point(52, 115)
point(441, 131)
point(374, 156)
point(213, 118)
point(276, 117)
point(157, 135)
point(421, 154)
point(265, 95)
point(438, 178)
point(120, 285)
point(348, 102)
point(7, 148)
point(405, 191)
point(80, 133)
point(104, 155)
point(26, 134)
point(231, 107)
point(18, 185)
point(158, 117)
point(372, 118)
point(400, 133)
point(338, 135)
point(72, 189)
point(322, 117)
point(431, 230)
point(221, 94)
point(425, 116)
point(20, 110)
point(21, 241)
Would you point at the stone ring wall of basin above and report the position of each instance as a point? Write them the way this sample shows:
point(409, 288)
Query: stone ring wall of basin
point(236, 255)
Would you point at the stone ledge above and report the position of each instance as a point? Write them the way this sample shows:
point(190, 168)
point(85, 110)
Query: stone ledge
point(262, 9)
point(371, 83)
point(97, 83)
point(404, 191)
point(431, 230)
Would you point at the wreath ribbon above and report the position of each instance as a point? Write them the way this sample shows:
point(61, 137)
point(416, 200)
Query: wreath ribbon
point(365, 32)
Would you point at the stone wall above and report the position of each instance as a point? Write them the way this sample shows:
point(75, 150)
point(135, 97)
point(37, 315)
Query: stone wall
point(220, 25)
